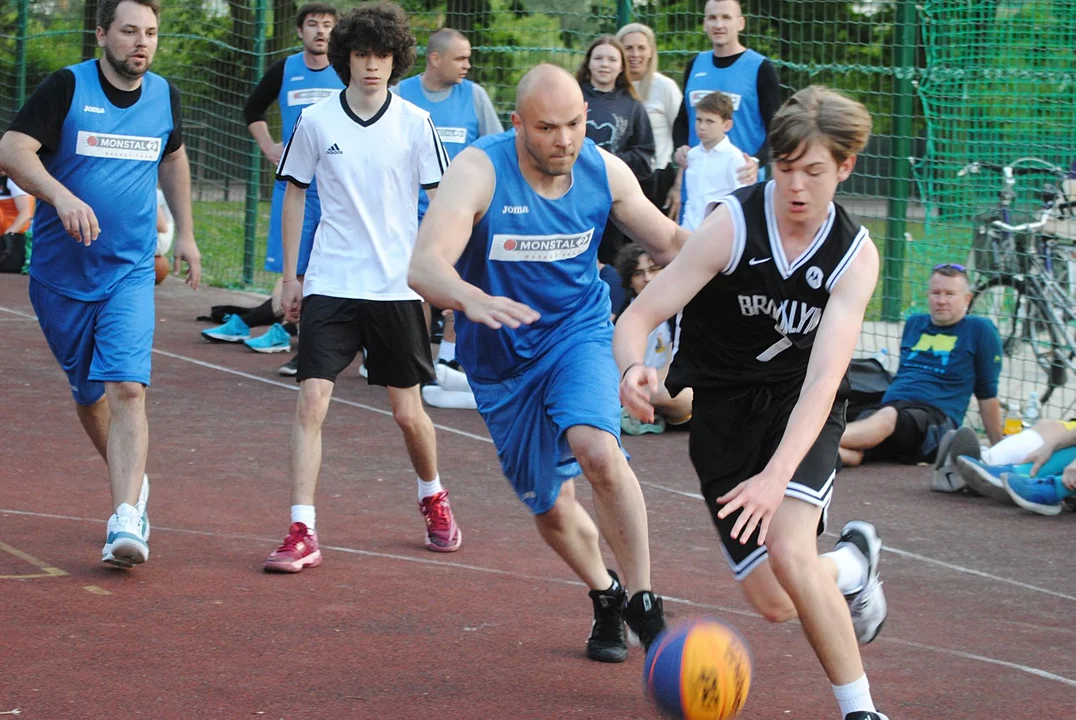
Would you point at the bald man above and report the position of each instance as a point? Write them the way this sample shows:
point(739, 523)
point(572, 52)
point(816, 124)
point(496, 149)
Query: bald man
point(510, 243)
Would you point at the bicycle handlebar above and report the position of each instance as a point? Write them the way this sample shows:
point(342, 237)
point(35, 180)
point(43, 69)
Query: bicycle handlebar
point(1011, 170)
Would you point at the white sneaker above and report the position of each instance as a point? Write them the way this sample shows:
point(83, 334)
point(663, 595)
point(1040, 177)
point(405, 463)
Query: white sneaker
point(956, 443)
point(143, 499)
point(125, 546)
point(451, 379)
point(868, 606)
point(437, 396)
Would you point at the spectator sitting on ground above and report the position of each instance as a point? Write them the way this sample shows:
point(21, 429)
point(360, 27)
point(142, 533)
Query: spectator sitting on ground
point(637, 269)
point(945, 356)
point(712, 165)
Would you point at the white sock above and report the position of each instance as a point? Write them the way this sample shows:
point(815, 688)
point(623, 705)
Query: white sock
point(447, 351)
point(854, 697)
point(304, 514)
point(128, 510)
point(1014, 449)
point(851, 568)
point(426, 489)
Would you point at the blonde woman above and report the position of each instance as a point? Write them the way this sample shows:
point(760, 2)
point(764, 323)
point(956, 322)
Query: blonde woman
point(662, 97)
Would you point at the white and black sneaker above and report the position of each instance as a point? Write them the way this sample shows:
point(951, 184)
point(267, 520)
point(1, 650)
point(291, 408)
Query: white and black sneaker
point(868, 606)
point(291, 367)
point(955, 443)
point(861, 715)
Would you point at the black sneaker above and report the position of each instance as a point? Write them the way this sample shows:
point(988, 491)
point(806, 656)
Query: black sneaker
point(861, 715)
point(645, 616)
point(606, 642)
point(453, 364)
point(291, 367)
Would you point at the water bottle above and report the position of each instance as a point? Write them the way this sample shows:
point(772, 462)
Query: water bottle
point(1033, 411)
point(882, 356)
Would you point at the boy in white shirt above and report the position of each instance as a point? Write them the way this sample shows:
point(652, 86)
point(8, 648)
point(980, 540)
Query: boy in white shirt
point(712, 164)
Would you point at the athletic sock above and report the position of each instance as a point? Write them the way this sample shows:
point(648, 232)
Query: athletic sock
point(446, 351)
point(304, 514)
point(291, 328)
point(427, 489)
point(854, 697)
point(259, 316)
point(1013, 449)
point(851, 568)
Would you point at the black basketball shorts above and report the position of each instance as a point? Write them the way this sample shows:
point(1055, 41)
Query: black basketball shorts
point(918, 432)
point(733, 438)
point(333, 330)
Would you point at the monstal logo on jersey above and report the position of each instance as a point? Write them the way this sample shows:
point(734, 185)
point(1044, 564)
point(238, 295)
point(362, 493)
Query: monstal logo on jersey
point(308, 96)
point(539, 248)
point(118, 147)
point(793, 317)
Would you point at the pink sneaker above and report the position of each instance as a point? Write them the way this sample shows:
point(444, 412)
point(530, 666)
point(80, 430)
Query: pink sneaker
point(299, 550)
point(442, 533)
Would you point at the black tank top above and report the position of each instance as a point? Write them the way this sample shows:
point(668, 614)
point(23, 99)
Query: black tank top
point(755, 322)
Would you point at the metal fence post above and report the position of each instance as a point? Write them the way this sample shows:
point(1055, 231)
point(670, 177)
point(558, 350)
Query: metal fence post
point(20, 52)
point(623, 13)
point(903, 106)
point(254, 159)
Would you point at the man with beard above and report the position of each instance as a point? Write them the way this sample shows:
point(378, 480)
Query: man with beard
point(91, 143)
point(293, 83)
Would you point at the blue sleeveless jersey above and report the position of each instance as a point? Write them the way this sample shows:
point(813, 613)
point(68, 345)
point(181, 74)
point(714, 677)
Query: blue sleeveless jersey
point(539, 252)
point(302, 87)
point(740, 82)
point(454, 117)
point(108, 157)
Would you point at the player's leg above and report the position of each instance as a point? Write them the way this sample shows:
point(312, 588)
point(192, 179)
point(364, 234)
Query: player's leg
point(95, 419)
point(675, 410)
point(871, 431)
point(399, 359)
point(333, 340)
point(311, 218)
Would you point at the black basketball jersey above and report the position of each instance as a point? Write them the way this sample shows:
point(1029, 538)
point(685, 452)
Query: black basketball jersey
point(755, 322)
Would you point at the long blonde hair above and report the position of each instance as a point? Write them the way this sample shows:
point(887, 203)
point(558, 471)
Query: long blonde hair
point(651, 67)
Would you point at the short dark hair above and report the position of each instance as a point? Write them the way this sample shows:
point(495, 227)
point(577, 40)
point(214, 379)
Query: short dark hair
point(380, 27)
point(106, 11)
point(315, 9)
point(716, 103)
point(441, 39)
point(627, 262)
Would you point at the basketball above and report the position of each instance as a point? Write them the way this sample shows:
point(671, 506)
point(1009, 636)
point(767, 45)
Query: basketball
point(698, 670)
point(162, 266)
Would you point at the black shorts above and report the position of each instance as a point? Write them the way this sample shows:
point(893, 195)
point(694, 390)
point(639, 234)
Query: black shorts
point(916, 437)
point(334, 330)
point(732, 439)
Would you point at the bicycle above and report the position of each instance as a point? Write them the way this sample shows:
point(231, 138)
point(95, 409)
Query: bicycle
point(1025, 279)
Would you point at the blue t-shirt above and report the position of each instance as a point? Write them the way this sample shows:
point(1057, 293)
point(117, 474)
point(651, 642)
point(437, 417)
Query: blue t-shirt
point(943, 366)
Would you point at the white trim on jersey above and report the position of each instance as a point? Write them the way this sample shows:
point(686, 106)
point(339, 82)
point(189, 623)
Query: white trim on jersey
point(861, 239)
point(779, 257)
point(739, 234)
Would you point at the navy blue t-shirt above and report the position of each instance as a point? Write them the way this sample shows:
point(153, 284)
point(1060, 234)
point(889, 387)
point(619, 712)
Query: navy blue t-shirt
point(943, 366)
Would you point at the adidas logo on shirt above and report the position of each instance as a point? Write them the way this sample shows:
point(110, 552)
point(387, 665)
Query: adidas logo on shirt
point(334, 150)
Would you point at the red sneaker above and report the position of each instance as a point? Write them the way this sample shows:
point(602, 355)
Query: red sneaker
point(299, 550)
point(442, 533)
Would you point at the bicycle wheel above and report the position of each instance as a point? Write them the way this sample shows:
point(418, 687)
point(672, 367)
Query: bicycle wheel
point(1001, 299)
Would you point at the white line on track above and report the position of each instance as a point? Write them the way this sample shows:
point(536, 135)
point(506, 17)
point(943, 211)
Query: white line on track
point(449, 564)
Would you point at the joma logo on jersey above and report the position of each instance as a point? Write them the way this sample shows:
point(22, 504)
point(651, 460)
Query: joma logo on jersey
point(308, 96)
point(539, 248)
point(793, 317)
point(93, 109)
point(515, 210)
point(118, 147)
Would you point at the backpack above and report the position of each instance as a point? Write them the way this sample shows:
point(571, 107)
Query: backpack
point(12, 252)
point(864, 385)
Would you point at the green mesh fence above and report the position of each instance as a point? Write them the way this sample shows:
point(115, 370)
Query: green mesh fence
point(948, 82)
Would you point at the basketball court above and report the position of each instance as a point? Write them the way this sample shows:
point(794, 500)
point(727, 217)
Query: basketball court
point(981, 596)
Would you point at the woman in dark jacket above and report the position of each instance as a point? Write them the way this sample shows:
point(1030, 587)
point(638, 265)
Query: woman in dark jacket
point(616, 121)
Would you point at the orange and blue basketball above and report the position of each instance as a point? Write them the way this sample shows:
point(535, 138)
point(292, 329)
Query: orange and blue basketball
point(698, 670)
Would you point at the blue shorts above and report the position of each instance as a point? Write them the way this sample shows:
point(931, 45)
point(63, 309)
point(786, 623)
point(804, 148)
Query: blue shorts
point(100, 341)
point(274, 252)
point(528, 416)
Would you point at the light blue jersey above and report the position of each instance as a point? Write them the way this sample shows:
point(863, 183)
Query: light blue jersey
point(108, 157)
point(540, 252)
point(454, 118)
point(740, 82)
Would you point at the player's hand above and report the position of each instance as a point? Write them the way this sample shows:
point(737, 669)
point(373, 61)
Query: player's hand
point(672, 203)
point(291, 300)
point(78, 219)
point(759, 497)
point(1069, 476)
point(680, 156)
point(496, 312)
point(273, 153)
point(748, 172)
point(1039, 457)
point(186, 250)
point(636, 388)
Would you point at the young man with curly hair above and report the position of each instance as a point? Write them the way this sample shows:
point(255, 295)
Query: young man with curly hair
point(370, 151)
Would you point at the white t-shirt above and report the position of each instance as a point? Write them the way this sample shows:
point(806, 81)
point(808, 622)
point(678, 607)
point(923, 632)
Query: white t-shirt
point(13, 191)
point(368, 174)
point(662, 106)
point(658, 347)
point(710, 176)
point(164, 239)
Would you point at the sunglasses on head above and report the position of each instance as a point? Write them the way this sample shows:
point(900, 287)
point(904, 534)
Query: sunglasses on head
point(951, 266)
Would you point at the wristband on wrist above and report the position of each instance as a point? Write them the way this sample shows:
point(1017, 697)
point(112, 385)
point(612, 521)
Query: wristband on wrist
point(629, 367)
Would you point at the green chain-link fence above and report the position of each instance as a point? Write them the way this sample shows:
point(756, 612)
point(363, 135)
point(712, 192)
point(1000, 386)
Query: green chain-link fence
point(948, 82)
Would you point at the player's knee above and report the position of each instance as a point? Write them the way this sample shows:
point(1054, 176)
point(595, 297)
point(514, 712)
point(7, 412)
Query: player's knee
point(410, 418)
point(599, 461)
point(313, 403)
point(791, 560)
point(774, 609)
point(124, 393)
